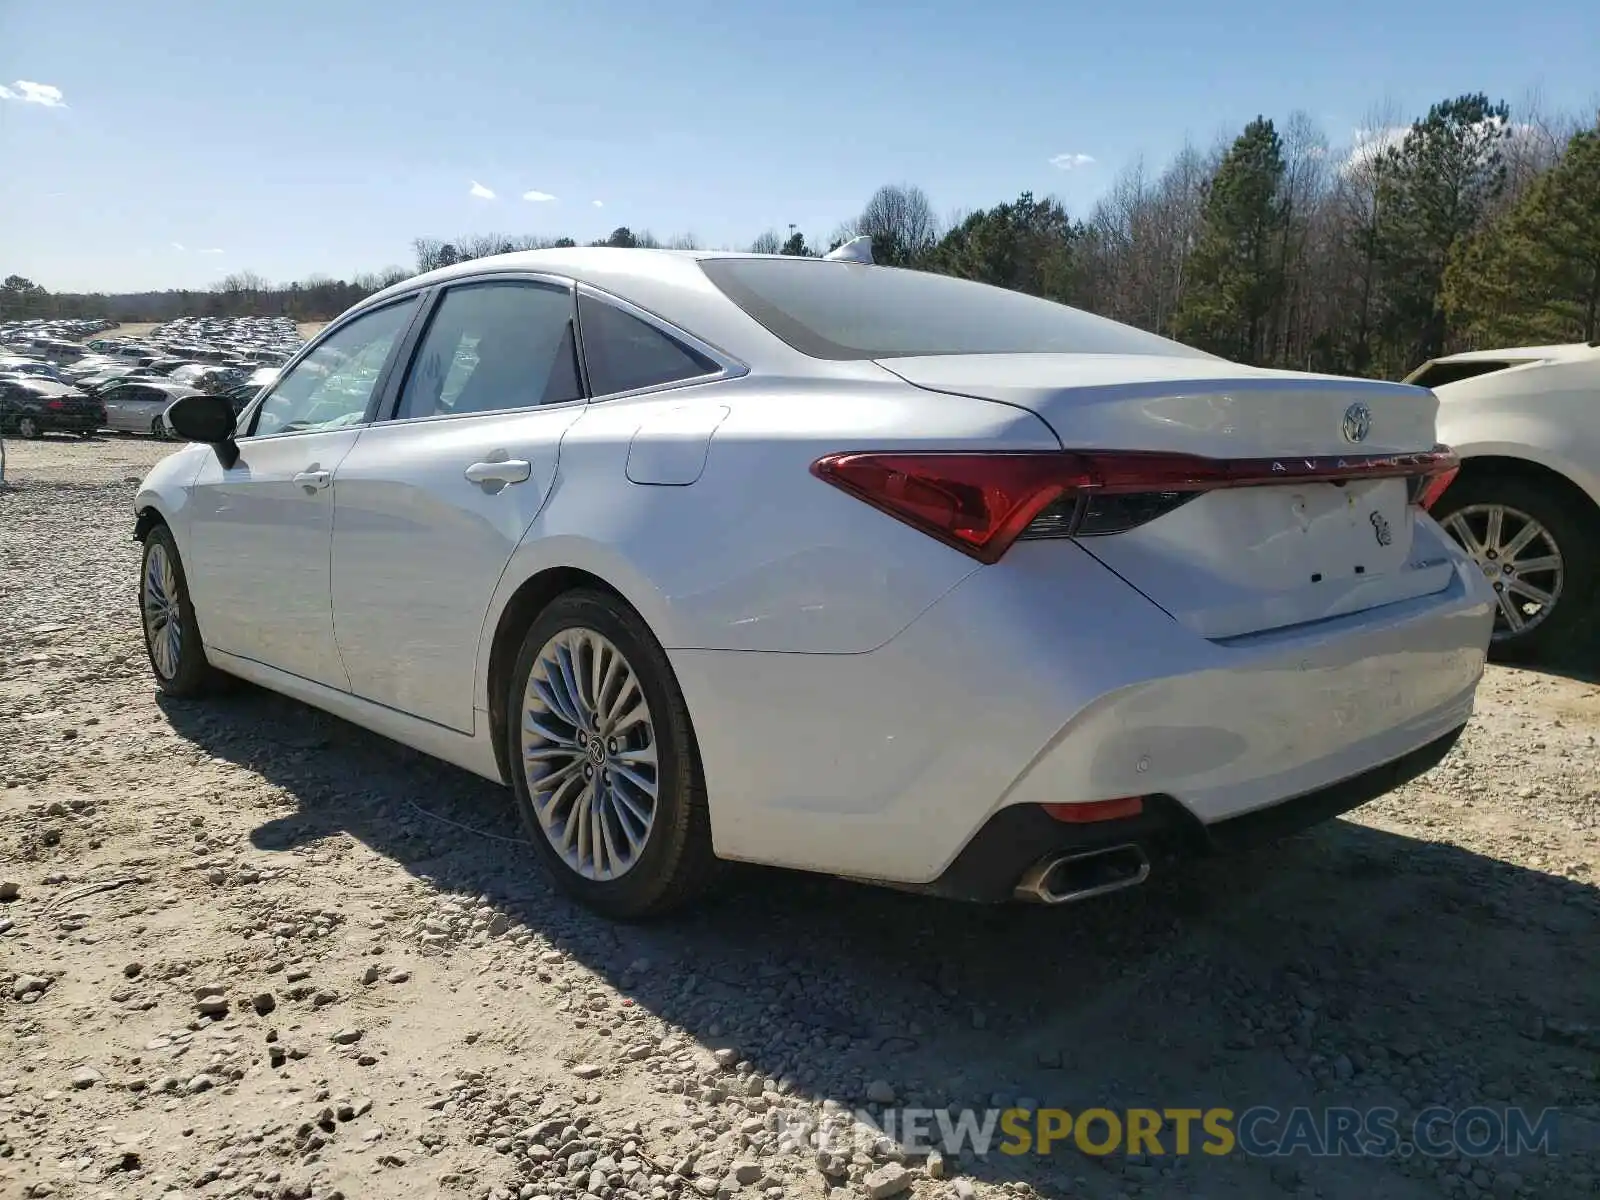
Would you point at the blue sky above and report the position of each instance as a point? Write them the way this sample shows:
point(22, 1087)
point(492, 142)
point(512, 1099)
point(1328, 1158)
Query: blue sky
point(290, 137)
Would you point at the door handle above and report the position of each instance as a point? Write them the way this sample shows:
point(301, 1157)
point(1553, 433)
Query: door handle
point(314, 481)
point(506, 471)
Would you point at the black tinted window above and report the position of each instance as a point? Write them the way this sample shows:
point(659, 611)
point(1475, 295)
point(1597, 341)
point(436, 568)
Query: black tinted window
point(852, 311)
point(493, 346)
point(1436, 374)
point(624, 353)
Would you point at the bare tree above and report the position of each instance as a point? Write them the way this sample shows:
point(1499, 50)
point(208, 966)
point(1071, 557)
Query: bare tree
point(900, 222)
point(246, 283)
point(768, 243)
point(427, 250)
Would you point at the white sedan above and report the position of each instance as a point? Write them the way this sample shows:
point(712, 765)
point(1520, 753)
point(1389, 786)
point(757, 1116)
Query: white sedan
point(1526, 505)
point(825, 565)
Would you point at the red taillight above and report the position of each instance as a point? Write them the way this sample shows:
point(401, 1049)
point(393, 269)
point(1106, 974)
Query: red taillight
point(1430, 488)
point(982, 503)
point(1096, 810)
point(55, 406)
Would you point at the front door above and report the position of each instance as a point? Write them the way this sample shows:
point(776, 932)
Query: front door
point(260, 530)
point(432, 502)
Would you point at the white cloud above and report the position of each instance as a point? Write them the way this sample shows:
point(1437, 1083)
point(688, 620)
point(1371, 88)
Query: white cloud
point(598, 203)
point(177, 245)
point(33, 93)
point(1071, 162)
point(1368, 144)
point(212, 250)
point(537, 197)
point(479, 192)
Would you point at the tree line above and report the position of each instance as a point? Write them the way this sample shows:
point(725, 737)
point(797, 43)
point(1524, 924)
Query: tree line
point(1466, 228)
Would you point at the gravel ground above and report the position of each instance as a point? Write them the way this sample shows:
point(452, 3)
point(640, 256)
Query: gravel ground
point(254, 951)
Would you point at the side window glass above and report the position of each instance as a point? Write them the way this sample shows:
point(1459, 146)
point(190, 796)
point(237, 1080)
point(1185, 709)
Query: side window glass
point(623, 352)
point(494, 346)
point(330, 387)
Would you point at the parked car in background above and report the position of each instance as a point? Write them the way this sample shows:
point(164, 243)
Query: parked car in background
point(98, 383)
point(137, 407)
point(825, 565)
point(31, 368)
point(1526, 504)
point(31, 408)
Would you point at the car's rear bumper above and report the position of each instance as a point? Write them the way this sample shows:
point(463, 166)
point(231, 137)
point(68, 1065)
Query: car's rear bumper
point(1021, 836)
point(1047, 680)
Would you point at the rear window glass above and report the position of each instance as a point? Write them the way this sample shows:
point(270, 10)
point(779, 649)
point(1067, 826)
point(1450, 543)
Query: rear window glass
point(1436, 374)
point(852, 311)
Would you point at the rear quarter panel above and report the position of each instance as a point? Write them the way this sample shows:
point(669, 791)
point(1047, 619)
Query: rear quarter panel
point(757, 553)
point(1549, 414)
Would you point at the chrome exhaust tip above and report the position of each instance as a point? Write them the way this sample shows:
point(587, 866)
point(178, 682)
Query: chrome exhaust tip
point(1068, 878)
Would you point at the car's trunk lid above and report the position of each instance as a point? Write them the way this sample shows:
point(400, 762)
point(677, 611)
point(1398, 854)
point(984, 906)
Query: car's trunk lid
point(1235, 561)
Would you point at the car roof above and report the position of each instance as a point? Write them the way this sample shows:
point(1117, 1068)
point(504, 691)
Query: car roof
point(666, 283)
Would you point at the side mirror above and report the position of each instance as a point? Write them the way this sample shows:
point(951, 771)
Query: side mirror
point(207, 419)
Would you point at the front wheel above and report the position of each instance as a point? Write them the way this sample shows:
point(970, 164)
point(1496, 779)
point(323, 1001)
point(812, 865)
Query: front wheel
point(29, 428)
point(604, 764)
point(158, 430)
point(171, 634)
point(1533, 545)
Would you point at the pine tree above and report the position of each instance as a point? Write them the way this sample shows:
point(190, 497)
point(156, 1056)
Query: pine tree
point(1434, 192)
point(1534, 274)
point(1235, 276)
point(1027, 245)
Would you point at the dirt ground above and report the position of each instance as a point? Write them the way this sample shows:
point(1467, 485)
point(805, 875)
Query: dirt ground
point(254, 951)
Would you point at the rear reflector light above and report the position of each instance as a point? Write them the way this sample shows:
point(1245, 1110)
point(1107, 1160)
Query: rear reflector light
point(1426, 489)
point(55, 406)
point(1096, 810)
point(982, 503)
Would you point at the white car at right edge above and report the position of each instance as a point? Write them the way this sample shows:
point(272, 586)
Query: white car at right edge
point(1526, 504)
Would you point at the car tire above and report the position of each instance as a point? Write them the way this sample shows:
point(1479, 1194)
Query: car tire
point(158, 430)
point(1564, 529)
point(28, 427)
point(586, 803)
point(166, 614)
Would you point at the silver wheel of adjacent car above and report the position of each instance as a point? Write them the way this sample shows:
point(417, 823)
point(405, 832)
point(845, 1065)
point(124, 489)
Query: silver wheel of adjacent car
point(29, 428)
point(163, 614)
point(1519, 556)
point(589, 754)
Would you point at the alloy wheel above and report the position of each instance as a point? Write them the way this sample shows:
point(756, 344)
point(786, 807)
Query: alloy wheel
point(163, 619)
point(28, 428)
point(589, 754)
point(1519, 556)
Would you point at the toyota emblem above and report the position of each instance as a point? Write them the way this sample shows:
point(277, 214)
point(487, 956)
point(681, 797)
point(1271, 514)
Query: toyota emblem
point(1357, 423)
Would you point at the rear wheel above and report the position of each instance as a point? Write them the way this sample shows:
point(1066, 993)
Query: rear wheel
point(158, 430)
point(1533, 544)
point(29, 427)
point(604, 765)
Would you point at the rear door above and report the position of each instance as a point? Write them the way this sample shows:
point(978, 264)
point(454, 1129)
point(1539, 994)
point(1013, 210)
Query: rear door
point(431, 502)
